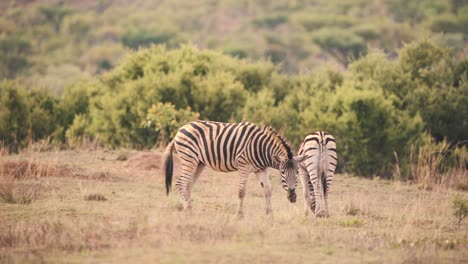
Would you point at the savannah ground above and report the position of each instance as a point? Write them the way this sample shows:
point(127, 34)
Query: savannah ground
point(111, 207)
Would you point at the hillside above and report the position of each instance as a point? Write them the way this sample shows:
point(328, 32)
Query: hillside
point(54, 43)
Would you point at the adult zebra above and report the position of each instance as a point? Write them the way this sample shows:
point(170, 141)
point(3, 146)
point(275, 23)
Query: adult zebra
point(316, 171)
point(229, 147)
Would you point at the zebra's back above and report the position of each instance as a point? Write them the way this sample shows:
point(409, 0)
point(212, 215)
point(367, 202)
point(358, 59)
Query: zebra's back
point(320, 149)
point(215, 144)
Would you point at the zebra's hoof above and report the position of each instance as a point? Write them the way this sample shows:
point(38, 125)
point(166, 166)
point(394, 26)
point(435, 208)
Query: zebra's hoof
point(322, 214)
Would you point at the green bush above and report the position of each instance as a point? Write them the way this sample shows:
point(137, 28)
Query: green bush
point(77, 130)
point(166, 120)
point(439, 92)
point(14, 115)
point(374, 108)
point(210, 83)
point(368, 128)
point(44, 112)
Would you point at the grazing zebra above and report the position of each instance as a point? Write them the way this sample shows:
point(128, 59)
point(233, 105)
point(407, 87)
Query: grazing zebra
point(316, 170)
point(229, 147)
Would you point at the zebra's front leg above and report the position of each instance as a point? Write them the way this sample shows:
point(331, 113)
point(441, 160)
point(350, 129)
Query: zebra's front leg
point(305, 186)
point(244, 174)
point(266, 185)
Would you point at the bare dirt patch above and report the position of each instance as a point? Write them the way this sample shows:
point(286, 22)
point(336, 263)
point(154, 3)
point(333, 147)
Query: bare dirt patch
point(151, 162)
point(144, 161)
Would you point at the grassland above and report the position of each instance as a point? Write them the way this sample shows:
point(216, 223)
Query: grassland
point(107, 206)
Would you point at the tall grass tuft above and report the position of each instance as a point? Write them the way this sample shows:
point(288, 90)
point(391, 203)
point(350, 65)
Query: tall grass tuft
point(439, 165)
point(17, 180)
point(460, 207)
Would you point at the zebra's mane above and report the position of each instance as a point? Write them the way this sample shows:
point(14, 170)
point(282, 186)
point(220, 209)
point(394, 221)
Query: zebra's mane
point(280, 139)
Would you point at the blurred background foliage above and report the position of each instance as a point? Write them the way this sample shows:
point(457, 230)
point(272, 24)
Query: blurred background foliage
point(383, 76)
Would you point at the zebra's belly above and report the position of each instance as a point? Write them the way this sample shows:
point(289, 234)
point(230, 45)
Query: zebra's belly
point(221, 168)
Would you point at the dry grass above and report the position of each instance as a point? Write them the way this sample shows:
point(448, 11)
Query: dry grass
point(18, 183)
point(429, 166)
point(372, 221)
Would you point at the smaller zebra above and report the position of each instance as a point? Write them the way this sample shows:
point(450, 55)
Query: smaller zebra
point(316, 171)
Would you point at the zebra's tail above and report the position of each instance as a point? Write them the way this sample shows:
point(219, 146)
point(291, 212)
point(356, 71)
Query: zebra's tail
point(168, 166)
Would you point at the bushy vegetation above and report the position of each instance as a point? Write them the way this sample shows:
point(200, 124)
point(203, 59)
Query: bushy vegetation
point(89, 75)
point(376, 109)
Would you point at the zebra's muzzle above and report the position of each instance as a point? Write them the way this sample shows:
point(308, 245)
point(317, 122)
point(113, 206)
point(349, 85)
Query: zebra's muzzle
point(292, 196)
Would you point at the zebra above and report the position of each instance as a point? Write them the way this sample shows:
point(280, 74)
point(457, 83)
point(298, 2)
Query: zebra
point(226, 147)
point(316, 171)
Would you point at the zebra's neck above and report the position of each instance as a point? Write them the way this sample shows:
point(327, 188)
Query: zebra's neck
point(264, 145)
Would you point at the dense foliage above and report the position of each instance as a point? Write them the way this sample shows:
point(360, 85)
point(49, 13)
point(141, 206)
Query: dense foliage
point(376, 109)
point(91, 69)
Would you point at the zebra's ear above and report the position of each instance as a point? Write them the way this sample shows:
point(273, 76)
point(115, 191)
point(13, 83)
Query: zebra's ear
point(279, 159)
point(300, 158)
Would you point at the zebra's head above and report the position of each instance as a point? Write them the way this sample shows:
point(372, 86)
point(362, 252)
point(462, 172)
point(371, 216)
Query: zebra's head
point(289, 169)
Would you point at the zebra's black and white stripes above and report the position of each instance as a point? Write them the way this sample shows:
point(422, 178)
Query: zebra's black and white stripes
point(229, 147)
point(317, 169)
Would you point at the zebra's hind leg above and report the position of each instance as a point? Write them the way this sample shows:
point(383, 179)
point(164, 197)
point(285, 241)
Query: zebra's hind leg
point(266, 185)
point(189, 169)
point(305, 186)
point(244, 174)
point(313, 202)
point(192, 183)
point(326, 186)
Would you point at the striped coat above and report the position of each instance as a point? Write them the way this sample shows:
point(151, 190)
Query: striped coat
point(317, 169)
point(225, 147)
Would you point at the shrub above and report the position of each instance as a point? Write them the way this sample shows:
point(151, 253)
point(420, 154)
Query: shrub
point(368, 127)
point(43, 114)
point(210, 83)
point(77, 131)
point(460, 207)
point(439, 86)
point(14, 115)
point(166, 120)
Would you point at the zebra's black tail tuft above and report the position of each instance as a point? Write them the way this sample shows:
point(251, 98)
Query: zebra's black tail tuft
point(168, 166)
